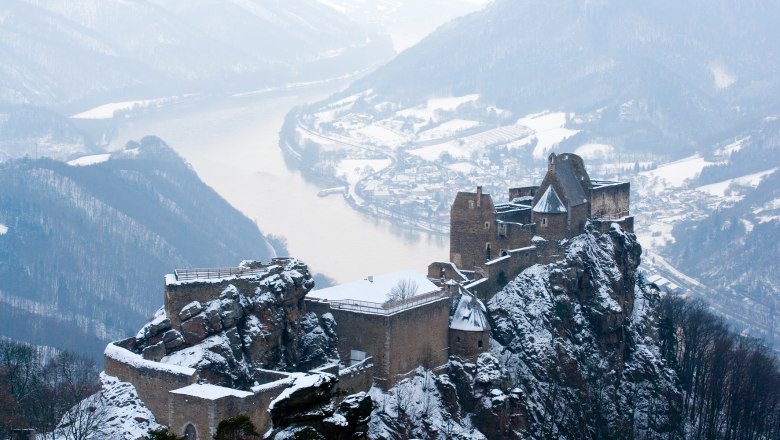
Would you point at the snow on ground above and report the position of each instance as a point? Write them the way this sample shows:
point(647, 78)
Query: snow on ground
point(549, 130)
point(674, 174)
point(106, 111)
point(656, 234)
point(377, 289)
point(428, 111)
point(431, 153)
point(380, 136)
point(594, 151)
point(128, 417)
point(733, 147)
point(447, 129)
point(3, 229)
point(722, 77)
point(462, 167)
point(356, 169)
point(89, 160)
point(750, 180)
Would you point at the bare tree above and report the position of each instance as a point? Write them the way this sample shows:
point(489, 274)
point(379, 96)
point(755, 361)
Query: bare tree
point(84, 420)
point(405, 288)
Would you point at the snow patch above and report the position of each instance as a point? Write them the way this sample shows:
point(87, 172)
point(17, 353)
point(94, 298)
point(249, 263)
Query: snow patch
point(210, 392)
point(674, 174)
point(722, 77)
point(548, 129)
point(594, 151)
point(89, 160)
point(751, 180)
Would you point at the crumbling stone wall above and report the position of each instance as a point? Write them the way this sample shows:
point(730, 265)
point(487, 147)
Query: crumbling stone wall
point(611, 201)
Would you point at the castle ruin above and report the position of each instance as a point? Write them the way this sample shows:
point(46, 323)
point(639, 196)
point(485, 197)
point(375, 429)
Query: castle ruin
point(257, 318)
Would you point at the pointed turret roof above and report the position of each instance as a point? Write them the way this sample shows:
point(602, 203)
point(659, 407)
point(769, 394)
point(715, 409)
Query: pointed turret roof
point(550, 203)
point(469, 315)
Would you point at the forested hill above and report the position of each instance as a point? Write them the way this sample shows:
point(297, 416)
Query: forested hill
point(83, 249)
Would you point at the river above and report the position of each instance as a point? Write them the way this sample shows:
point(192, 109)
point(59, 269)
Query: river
point(232, 143)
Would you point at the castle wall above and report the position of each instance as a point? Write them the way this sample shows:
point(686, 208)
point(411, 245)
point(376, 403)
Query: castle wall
point(356, 378)
point(152, 380)
point(468, 345)
point(472, 224)
point(626, 223)
point(179, 295)
point(418, 336)
point(448, 270)
point(512, 236)
point(611, 201)
point(398, 342)
point(551, 226)
point(364, 332)
point(523, 191)
point(578, 215)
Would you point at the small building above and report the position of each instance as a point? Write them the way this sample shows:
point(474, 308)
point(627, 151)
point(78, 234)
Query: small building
point(469, 328)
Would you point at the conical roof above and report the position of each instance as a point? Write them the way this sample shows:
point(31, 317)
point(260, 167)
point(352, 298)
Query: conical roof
point(550, 203)
point(469, 315)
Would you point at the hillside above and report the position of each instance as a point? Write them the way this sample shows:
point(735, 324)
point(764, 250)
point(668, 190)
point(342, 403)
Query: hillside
point(29, 131)
point(82, 245)
point(161, 48)
point(665, 75)
point(733, 248)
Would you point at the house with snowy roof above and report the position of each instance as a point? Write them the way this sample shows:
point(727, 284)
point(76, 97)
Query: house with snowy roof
point(398, 320)
point(492, 242)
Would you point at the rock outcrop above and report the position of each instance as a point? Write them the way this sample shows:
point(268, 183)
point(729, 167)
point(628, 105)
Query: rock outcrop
point(572, 348)
point(253, 323)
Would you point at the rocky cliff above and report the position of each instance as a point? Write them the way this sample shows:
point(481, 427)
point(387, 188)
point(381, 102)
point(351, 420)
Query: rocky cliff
point(573, 349)
point(254, 323)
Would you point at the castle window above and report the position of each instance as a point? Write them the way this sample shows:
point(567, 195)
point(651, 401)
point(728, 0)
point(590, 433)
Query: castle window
point(457, 338)
point(471, 204)
point(487, 225)
point(190, 433)
point(479, 343)
point(544, 222)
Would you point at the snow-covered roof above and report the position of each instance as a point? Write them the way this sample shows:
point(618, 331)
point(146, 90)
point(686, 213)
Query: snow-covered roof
point(375, 291)
point(470, 315)
point(210, 392)
point(550, 202)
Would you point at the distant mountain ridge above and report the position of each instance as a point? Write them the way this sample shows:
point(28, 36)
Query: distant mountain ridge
point(57, 52)
point(663, 75)
point(84, 248)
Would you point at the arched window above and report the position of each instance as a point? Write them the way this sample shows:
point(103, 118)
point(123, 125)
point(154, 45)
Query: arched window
point(190, 433)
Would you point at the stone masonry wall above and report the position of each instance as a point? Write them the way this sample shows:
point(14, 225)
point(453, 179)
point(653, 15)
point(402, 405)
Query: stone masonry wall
point(611, 201)
point(472, 225)
point(419, 336)
point(151, 384)
point(466, 344)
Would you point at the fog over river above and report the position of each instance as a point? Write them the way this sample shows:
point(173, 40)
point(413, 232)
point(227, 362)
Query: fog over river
point(232, 143)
